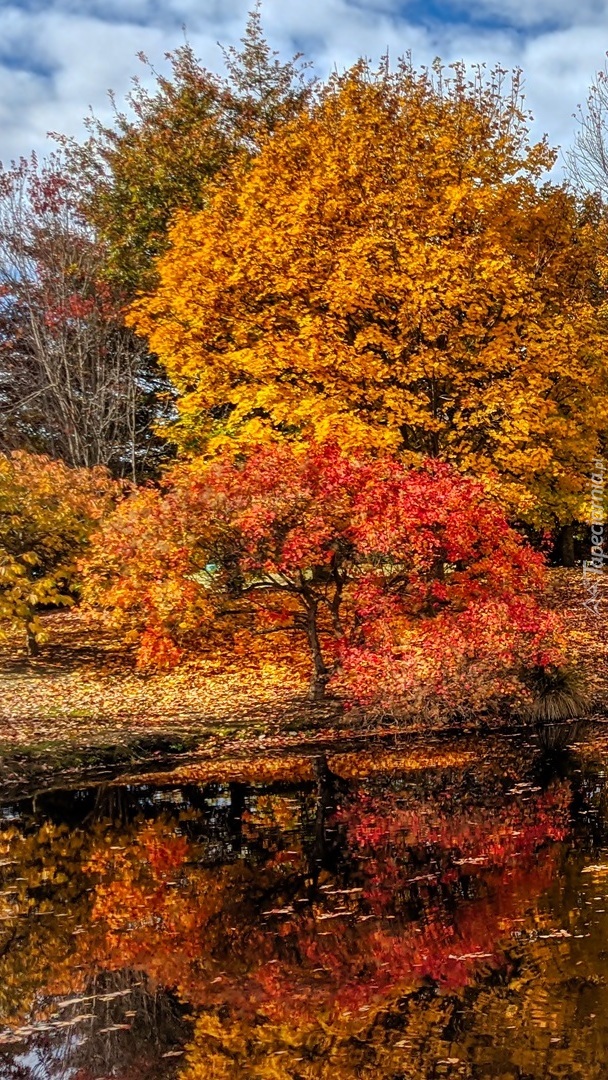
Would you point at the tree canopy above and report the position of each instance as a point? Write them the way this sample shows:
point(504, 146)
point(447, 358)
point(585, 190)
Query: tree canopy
point(166, 145)
point(391, 268)
point(75, 382)
point(408, 585)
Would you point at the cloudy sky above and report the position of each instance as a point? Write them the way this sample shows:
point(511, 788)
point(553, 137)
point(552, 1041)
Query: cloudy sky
point(58, 57)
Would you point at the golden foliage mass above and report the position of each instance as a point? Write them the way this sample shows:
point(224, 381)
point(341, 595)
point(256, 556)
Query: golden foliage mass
point(391, 270)
point(47, 512)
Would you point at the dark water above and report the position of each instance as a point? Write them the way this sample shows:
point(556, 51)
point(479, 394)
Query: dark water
point(392, 915)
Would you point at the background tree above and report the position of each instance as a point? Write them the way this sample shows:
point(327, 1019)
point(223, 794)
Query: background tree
point(588, 158)
point(159, 155)
point(75, 382)
point(47, 512)
point(390, 268)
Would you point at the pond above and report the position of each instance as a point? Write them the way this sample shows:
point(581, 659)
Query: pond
point(401, 913)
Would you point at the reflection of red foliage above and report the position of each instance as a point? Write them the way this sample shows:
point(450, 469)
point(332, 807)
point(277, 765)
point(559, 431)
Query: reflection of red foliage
point(426, 833)
point(361, 964)
point(423, 856)
point(438, 893)
point(166, 856)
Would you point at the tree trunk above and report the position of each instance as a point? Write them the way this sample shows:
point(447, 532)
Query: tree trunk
point(320, 671)
point(33, 648)
point(564, 546)
point(321, 852)
point(235, 815)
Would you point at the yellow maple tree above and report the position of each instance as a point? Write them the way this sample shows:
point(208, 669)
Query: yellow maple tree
point(393, 269)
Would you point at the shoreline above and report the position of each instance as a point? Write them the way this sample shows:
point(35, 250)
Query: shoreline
point(81, 705)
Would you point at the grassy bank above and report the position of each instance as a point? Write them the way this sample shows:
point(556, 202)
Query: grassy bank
point(81, 703)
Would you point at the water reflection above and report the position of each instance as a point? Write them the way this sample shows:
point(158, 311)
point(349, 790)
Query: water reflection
point(353, 917)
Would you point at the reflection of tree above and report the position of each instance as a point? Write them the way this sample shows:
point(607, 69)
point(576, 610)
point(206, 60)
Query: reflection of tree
point(431, 896)
point(43, 900)
point(307, 928)
point(432, 899)
point(509, 1028)
point(421, 897)
point(324, 851)
point(51, 953)
point(119, 1027)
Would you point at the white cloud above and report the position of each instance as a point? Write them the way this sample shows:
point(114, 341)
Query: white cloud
point(538, 13)
point(60, 57)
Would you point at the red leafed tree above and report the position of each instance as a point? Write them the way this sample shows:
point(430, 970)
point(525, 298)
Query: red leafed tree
point(408, 584)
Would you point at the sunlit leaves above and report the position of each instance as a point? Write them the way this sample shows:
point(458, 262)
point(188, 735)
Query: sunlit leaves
point(47, 512)
point(408, 585)
point(390, 271)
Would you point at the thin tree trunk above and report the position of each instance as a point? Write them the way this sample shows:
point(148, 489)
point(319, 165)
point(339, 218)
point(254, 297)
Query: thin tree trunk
point(564, 546)
point(324, 849)
point(235, 815)
point(320, 670)
point(33, 648)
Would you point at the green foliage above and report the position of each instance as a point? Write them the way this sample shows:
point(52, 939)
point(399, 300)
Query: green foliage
point(160, 154)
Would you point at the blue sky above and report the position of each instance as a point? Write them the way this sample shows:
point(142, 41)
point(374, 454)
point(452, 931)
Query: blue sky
point(58, 57)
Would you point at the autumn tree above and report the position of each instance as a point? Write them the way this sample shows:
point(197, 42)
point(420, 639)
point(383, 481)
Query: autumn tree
point(47, 511)
point(408, 585)
point(392, 268)
point(161, 151)
point(75, 382)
